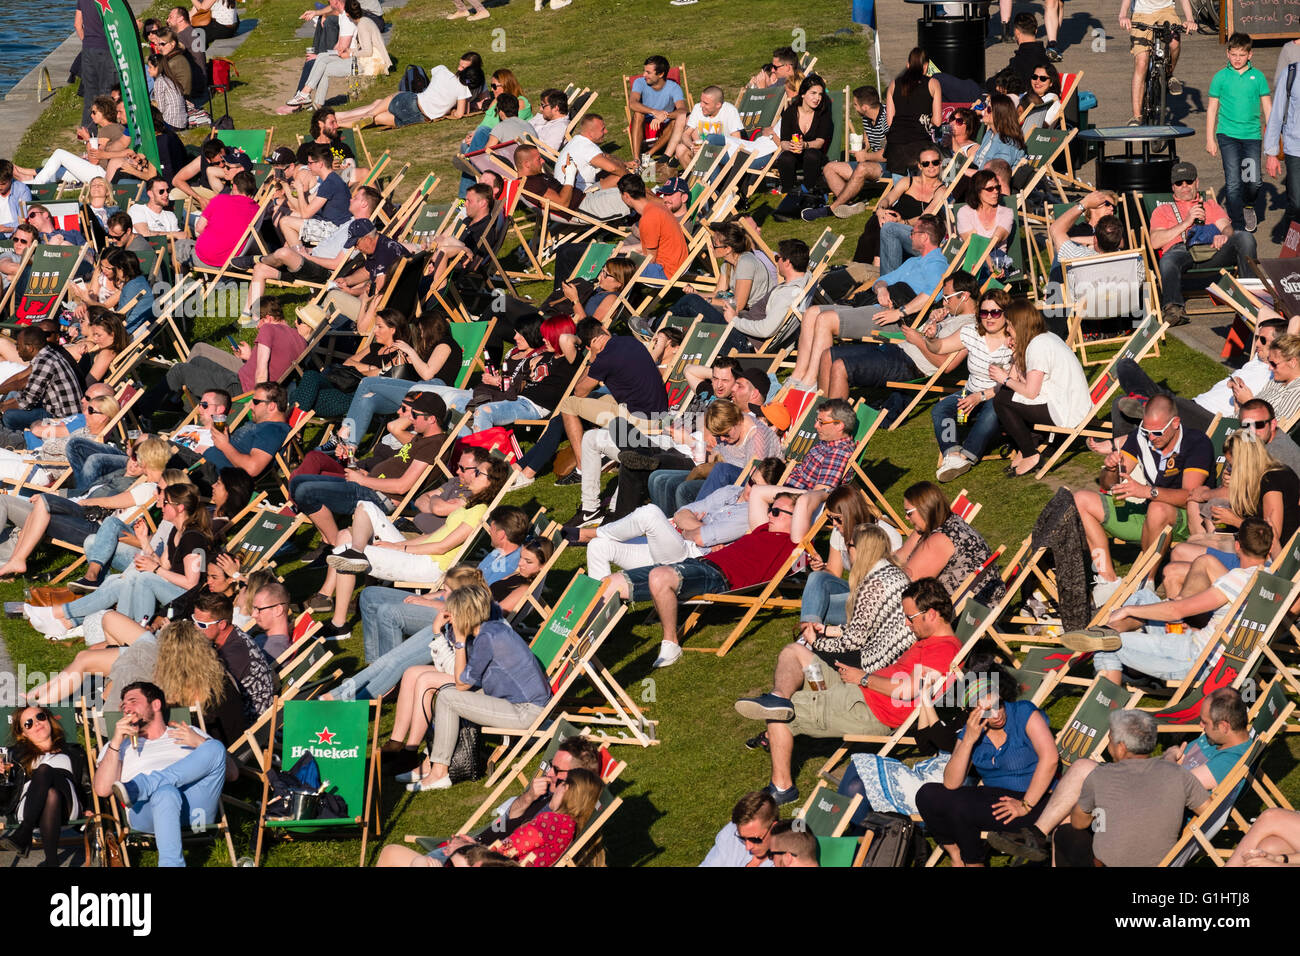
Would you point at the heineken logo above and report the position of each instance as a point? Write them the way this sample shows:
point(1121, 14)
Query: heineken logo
point(324, 736)
point(324, 747)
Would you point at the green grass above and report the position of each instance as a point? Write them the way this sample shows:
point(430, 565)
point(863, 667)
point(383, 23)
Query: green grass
point(677, 794)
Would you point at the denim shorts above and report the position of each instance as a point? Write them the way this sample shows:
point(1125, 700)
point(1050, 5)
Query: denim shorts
point(405, 109)
point(695, 576)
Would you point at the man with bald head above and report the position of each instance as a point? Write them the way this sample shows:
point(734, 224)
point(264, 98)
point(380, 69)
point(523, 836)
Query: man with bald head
point(1145, 484)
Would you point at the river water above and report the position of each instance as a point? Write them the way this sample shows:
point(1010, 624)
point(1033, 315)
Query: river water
point(29, 30)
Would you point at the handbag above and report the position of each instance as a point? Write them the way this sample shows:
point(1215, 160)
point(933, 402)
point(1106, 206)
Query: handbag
point(467, 757)
point(344, 377)
point(498, 439)
point(200, 18)
point(48, 597)
point(101, 844)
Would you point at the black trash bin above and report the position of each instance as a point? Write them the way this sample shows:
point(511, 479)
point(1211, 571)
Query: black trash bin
point(954, 43)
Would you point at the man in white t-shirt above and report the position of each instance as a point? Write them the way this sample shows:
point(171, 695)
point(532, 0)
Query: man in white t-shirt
point(711, 117)
point(162, 774)
point(445, 97)
point(551, 121)
point(1135, 636)
point(585, 166)
point(153, 217)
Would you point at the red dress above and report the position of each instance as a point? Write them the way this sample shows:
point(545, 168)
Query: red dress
point(546, 836)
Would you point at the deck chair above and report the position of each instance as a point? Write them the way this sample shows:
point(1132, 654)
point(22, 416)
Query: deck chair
point(1144, 338)
point(841, 852)
point(38, 292)
point(1085, 731)
point(255, 142)
point(1104, 287)
point(69, 719)
point(774, 347)
point(702, 344)
point(759, 108)
point(675, 73)
point(1149, 202)
point(827, 813)
point(1043, 147)
point(264, 533)
point(1246, 306)
point(1269, 717)
point(343, 736)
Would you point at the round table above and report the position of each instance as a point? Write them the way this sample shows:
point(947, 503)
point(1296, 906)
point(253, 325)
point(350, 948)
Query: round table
point(954, 43)
point(1145, 162)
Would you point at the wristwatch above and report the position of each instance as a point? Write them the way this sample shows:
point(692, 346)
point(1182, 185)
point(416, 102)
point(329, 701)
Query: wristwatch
point(862, 682)
point(458, 645)
point(1155, 492)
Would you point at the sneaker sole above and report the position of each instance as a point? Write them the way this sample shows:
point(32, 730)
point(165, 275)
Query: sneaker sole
point(590, 522)
point(948, 474)
point(347, 565)
point(756, 711)
point(78, 588)
point(1084, 641)
point(1003, 844)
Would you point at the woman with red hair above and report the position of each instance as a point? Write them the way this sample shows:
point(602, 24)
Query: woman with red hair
point(531, 386)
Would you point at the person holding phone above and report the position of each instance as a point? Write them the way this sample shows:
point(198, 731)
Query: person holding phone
point(1009, 745)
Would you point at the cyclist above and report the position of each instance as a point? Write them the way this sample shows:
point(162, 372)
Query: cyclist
point(1147, 14)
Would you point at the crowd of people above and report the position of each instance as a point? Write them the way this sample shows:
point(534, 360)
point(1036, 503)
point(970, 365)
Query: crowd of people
point(729, 466)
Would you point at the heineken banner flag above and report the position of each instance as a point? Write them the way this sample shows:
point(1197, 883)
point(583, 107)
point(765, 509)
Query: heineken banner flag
point(124, 44)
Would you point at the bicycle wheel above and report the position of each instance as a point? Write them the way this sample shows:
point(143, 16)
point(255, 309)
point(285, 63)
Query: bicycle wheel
point(1153, 103)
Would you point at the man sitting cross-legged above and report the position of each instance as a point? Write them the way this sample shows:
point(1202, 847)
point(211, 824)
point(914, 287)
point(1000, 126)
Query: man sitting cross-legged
point(1225, 738)
point(1152, 474)
point(899, 293)
point(162, 774)
point(856, 702)
point(1135, 635)
point(753, 559)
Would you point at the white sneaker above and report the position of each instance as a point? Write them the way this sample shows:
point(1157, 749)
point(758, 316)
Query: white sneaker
point(954, 465)
point(669, 654)
point(43, 619)
point(560, 4)
point(1102, 590)
point(519, 480)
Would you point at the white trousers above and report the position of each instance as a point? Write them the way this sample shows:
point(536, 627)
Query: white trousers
point(645, 537)
point(62, 162)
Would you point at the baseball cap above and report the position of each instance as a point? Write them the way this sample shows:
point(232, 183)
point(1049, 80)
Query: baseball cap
point(1183, 171)
point(359, 229)
point(758, 378)
point(283, 156)
point(777, 415)
point(431, 404)
point(675, 185)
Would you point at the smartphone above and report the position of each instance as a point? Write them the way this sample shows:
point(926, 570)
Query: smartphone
point(234, 346)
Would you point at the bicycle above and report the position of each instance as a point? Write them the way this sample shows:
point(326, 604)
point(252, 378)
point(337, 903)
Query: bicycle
point(1156, 90)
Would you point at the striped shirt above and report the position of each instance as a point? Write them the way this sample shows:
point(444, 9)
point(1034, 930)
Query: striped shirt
point(874, 131)
point(979, 358)
point(1285, 398)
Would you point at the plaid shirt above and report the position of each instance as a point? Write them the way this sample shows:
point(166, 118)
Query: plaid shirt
point(824, 464)
point(53, 384)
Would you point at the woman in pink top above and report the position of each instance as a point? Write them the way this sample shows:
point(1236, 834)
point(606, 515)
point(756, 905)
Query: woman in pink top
point(225, 219)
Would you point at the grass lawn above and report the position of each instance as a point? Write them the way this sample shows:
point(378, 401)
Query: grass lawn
point(676, 795)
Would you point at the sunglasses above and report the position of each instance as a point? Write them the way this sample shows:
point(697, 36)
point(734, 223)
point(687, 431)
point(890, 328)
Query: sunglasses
point(929, 162)
point(990, 313)
point(261, 401)
point(774, 510)
point(41, 717)
point(913, 617)
point(1184, 182)
point(267, 607)
point(23, 242)
point(1154, 432)
point(1259, 426)
point(204, 625)
point(951, 295)
point(991, 189)
point(757, 839)
point(1041, 79)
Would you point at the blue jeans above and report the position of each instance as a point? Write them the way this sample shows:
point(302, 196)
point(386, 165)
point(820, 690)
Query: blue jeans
point(103, 598)
point(895, 246)
point(694, 304)
point(662, 487)
point(456, 398)
point(91, 461)
point(504, 412)
point(144, 594)
point(1241, 173)
point(982, 428)
point(311, 493)
point(1151, 650)
point(189, 789)
point(386, 672)
point(104, 548)
point(825, 599)
point(374, 396)
point(386, 620)
point(697, 577)
point(1235, 252)
point(721, 476)
point(20, 419)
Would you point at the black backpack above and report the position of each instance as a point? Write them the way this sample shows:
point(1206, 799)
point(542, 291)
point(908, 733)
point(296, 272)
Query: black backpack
point(414, 80)
point(895, 840)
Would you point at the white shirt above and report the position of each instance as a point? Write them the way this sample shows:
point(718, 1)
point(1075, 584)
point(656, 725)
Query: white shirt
point(442, 94)
point(725, 122)
point(1218, 399)
point(550, 132)
point(1065, 388)
point(347, 29)
point(582, 151)
point(147, 756)
point(164, 221)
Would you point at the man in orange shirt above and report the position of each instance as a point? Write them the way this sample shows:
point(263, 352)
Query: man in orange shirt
point(661, 236)
point(855, 702)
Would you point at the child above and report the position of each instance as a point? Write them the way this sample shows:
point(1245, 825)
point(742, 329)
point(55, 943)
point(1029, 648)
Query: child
point(1234, 132)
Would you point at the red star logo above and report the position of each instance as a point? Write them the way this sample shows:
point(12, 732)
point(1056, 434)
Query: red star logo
point(105, 5)
point(325, 737)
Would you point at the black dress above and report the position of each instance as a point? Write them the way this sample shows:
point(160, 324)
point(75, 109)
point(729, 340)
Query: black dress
point(907, 134)
point(811, 161)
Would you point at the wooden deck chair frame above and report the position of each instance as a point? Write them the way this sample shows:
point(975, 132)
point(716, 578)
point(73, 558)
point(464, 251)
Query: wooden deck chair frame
point(238, 544)
point(1201, 829)
point(371, 775)
point(1116, 288)
point(1055, 142)
point(1247, 309)
point(1148, 203)
point(840, 816)
point(819, 260)
point(62, 291)
point(1144, 338)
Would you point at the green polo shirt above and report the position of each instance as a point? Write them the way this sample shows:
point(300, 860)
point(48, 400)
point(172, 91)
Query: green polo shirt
point(1239, 95)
